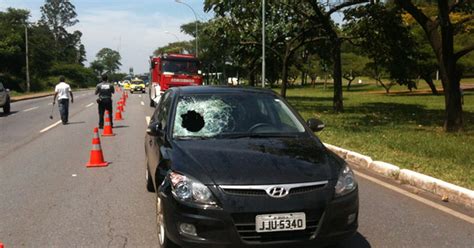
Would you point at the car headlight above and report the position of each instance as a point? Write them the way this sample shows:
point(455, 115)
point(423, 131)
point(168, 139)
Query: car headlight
point(187, 189)
point(346, 182)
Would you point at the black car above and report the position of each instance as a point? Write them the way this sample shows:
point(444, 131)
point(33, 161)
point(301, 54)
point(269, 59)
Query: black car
point(237, 167)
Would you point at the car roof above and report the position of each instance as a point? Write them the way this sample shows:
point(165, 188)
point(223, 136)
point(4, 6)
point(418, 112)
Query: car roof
point(220, 90)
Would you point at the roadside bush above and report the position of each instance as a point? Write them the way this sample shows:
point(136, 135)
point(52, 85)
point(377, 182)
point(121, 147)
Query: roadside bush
point(78, 75)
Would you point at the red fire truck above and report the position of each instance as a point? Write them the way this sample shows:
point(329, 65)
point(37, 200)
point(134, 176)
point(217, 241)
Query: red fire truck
point(172, 70)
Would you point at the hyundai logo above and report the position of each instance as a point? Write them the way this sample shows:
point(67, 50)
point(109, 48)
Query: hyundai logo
point(277, 192)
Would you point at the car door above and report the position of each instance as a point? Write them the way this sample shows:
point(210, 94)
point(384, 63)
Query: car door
point(155, 143)
point(3, 95)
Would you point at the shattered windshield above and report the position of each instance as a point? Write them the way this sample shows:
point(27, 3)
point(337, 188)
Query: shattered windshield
point(220, 115)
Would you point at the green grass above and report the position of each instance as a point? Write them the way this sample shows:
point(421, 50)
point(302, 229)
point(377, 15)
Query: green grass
point(402, 129)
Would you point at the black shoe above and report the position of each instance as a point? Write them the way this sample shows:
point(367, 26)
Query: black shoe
point(101, 127)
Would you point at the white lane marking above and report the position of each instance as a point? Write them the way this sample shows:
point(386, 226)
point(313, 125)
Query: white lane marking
point(418, 198)
point(33, 108)
point(51, 126)
point(142, 103)
point(74, 175)
point(147, 118)
point(90, 104)
point(50, 103)
point(139, 95)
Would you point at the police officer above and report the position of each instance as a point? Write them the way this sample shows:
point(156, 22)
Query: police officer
point(105, 90)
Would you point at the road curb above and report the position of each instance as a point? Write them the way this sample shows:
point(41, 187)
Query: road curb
point(22, 98)
point(38, 95)
point(446, 191)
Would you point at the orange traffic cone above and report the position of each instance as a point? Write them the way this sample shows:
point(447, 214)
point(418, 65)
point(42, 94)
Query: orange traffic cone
point(120, 106)
point(96, 158)
point(107, 127)
point(118, 115)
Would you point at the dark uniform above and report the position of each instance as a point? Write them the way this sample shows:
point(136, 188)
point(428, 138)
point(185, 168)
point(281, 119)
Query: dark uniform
point(105, 91)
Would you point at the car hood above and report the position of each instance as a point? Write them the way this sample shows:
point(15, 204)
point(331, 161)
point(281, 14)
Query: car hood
point(253, 161)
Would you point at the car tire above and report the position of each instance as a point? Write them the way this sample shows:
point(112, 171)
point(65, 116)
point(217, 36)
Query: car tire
point(149, 181)
point(6, 107)
point(163, 241)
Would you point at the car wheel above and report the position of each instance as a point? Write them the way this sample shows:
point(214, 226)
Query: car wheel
point(6, 107)
point(149, 181)
point(163, 241)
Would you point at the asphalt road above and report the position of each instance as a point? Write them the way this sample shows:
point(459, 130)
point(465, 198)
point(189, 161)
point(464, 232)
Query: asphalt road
point(48, 198)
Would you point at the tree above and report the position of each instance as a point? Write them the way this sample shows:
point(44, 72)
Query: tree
point(58, 15)
point(380, 31)
point(109, 59)
point(12, 47)
point(440, 32)
point(353, 66)
point(322, 16)
point(286, 31)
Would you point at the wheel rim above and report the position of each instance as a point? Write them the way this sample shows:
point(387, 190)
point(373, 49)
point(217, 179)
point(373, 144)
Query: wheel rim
point(160, 221)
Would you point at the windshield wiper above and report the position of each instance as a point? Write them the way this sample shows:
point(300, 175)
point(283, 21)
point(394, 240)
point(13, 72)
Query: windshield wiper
point(253, 135)
point(192, 137)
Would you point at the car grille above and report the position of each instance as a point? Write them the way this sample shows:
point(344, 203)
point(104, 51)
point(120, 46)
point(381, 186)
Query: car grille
point(245, 225)
point(261, 192)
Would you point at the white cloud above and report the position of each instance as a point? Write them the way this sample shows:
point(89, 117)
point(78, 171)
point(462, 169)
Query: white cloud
point(136, 37)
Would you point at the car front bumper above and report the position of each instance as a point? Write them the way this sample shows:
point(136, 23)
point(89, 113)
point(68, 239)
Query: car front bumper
point(327, 223)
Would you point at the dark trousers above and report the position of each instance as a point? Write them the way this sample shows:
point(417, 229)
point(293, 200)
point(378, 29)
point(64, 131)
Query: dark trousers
point(63, 105)
point(105, 104)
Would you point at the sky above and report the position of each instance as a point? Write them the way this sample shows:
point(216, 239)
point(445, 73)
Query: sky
point(135, 28)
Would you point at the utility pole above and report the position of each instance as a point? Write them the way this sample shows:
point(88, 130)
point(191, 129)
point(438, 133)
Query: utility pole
point(263, 43)
point(27, 62)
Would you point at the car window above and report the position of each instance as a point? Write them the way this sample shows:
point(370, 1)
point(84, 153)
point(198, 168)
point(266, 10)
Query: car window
point(211, 115)
point(163, 110)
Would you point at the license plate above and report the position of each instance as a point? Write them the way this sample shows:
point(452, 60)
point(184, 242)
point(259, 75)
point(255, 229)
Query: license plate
point(280, 222)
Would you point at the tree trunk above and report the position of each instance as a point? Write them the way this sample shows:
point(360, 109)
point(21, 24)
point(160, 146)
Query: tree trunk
point(252, 78)
point(337, 78)
point(284, 76)
point(430, 83)
point(449, 75)
point(350, 80)
point(442, 44)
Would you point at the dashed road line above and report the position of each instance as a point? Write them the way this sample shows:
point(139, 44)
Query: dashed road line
point(142, 103)
point(140, 95)
point(33, 108)
point(90, 104)
point(51, 126)
point(50, 103)
point(147, 118)
point(417, 198)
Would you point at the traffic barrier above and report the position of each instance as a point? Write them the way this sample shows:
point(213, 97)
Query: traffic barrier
point(107, 127)
point(118, 115)
point(96, 157)
point(1, 245)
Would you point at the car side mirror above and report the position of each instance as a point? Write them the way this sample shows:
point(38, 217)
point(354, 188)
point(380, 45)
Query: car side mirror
point(154, 129)
point(315, 125)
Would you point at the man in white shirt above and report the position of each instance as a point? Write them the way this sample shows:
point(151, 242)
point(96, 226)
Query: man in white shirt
point(63, 90)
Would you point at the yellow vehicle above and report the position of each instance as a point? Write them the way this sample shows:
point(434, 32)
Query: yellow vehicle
point(137, 85)
point(126, 85)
